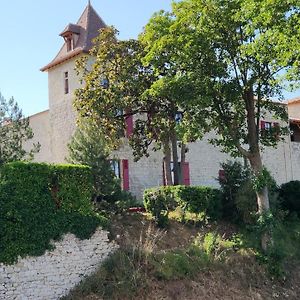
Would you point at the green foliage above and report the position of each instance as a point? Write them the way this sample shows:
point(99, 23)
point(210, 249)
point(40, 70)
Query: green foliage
point(89, 147)
point(228, 61)
point(263, 179)
point(290, 196)
point(198, 200)
point(179, 264)
point(129, 92)
point(41, 202)
point(14, 132)
point(239, 195)
point(215, 246)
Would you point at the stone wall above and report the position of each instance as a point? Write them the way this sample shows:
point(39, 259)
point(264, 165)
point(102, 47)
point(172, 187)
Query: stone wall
point(54, 274)
point(40, 125)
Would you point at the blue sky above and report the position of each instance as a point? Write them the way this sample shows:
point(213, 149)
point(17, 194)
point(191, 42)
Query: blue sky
point(29, 39)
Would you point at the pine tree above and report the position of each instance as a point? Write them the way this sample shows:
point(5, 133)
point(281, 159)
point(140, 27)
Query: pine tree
point(14, 132)
point(88, 147)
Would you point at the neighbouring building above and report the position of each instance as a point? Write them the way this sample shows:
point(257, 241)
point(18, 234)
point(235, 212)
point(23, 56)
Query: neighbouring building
point(54, 127)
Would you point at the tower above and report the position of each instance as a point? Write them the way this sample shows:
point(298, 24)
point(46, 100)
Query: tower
point(63, 81)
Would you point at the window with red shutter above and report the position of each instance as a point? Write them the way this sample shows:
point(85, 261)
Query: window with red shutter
point(186, 174)
point(125, 173)
point(129, 126)
point(222, 176)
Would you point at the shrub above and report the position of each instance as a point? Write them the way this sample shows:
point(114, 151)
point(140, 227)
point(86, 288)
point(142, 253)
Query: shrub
point(289, 194)
point(234, 177)
point(239, 198)
point(158, 202)
point(199, 200)
point(41, 202)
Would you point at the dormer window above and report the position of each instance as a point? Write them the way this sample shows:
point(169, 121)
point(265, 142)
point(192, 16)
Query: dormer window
point(69, 42)
point(71, 35)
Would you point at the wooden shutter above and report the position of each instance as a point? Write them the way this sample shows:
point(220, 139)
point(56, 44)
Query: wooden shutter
point(125, 173)
point(222, 176)
point(129, 126)
point(186, 174)
point(276, 127)
point(164, 173)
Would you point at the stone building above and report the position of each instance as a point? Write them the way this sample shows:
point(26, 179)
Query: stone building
point(54, 127)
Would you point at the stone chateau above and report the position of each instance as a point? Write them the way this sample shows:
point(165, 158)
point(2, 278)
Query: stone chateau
point(54, 127)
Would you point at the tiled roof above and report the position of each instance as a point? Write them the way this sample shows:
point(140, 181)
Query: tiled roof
point(294, 100)
point(88, 27)
point(74, 28)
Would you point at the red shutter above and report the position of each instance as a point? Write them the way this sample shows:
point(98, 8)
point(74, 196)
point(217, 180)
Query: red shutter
point(164, 173)
point(262, 125)
point(186, 174)
point(129, 126)
point(276, 130)
point(222, 176)
point(125, 172)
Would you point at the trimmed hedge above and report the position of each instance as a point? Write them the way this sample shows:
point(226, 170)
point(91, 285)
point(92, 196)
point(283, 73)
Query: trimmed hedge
point(194, 199)
point(40, 203)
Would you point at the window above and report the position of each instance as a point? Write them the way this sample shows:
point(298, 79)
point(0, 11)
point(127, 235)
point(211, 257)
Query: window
point(115, 166)
point(185, 176)
point(270, 129)
point(121, 171)
point(178, 117)
point(295, 132)
point(69, 42)
point(66, 79)
point(266, 125)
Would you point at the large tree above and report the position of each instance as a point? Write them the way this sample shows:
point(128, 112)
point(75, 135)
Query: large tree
point(14, 132)
point(117, 86)
point(234, 54)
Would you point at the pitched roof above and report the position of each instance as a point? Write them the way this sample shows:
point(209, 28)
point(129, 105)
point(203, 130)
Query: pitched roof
point(87, 28)
point(293, 101)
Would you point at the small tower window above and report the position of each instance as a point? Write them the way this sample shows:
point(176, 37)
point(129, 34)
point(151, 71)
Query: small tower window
point(66, 80)
point(69, 43)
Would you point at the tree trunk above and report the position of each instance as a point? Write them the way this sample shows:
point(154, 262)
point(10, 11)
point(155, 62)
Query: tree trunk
point(182, 161)
point(263, 195)
point(175, 158)
point(167, 164)
point(256, 162)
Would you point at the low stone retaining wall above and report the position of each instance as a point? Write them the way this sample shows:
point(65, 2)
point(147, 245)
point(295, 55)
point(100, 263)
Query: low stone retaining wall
point(54, 274)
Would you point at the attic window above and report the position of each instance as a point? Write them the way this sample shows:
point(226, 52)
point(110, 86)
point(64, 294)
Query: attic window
point(69, 42)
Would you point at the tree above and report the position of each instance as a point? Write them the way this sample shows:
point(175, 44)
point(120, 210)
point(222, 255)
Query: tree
point(118, 86)
point(88, 147)
point(233, 53)
point(14, 132)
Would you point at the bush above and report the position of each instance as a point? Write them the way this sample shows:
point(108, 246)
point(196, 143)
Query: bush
point(41, 202)
point(239, 198)
point(199, 200)
point(289, 194)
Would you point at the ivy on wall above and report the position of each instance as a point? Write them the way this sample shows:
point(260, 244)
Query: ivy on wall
point(40, 203)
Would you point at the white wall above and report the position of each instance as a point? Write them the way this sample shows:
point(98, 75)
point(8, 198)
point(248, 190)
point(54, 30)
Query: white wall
point(53, 275)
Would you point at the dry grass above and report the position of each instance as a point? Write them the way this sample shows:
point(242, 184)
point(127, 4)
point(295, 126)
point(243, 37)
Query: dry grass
point(239, 276)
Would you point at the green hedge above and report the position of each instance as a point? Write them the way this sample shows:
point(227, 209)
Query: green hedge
point(194, 199)
point(289, 194)
point(40, 203)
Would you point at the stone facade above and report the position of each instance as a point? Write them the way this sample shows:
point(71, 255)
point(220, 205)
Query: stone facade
point(62, 117)
point(55, 127)
point(53, 275)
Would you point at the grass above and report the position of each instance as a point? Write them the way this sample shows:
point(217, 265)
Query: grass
point(215, 261)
